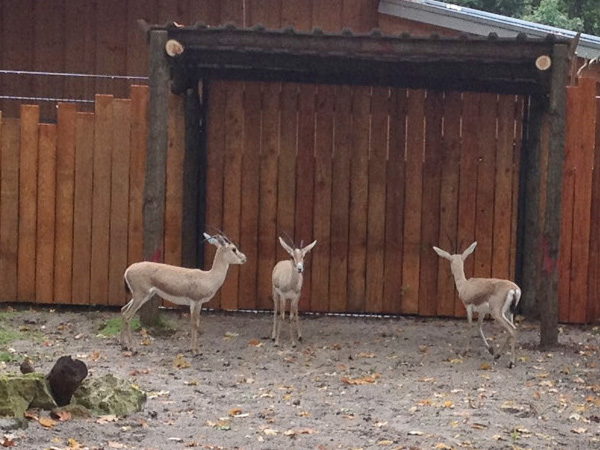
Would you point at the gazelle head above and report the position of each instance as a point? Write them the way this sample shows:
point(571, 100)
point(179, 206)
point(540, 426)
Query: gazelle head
point(457, 261)
point(297, 254)
point(230, 252)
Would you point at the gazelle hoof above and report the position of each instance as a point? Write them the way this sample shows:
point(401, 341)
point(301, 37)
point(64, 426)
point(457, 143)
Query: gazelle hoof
point(492, 351)
point(511, 365)
point(497, 355)
point(300, 338)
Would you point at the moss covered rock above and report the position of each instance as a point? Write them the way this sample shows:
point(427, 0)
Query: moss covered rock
point(20, 392)
point(109, 395)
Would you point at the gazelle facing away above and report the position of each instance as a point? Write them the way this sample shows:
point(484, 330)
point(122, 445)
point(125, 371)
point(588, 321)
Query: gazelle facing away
point(287, 284)
point(485, 296)
point(179, 285)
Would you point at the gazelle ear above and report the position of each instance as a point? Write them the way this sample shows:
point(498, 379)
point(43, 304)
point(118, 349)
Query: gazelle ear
point(468, 251)
point(286, 247)
point(211, 239)
point(308, 248)
point(442, 253)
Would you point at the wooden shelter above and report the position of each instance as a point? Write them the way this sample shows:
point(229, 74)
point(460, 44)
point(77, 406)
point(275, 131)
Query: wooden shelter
point(536, 68)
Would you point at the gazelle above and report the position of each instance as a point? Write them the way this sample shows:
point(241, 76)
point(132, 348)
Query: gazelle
point(179, 285)
point(485, 296)
point(287, 284)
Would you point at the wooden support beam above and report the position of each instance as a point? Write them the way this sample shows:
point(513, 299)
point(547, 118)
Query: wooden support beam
point(154, 187)
point(194, 178)
point(555, 115)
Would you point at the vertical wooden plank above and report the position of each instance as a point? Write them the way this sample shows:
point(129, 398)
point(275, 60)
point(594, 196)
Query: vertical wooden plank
point(305, 177)
point(232, 11)
point(467, 192)
point(234, 147)
point(205, 11)
point(101, 199)
point(412, 201)
point(267, 232)
point(28, 185)
point(9, 206)
point(250, 197)
point(518, 143)
point(328, 15)
point(286, 179)
point(217, 99)
point(137, 168)
point(340, 191)
point(65, 173)
point(376, 199)
point(17, 42)
point(357, 249)
point(484, 219)
point(430, 206)
point(582, 202)
point(119, 203)
point(264, 12)
point(137, 48)
point(572, 144)
point(174, 181)
point(449, 186)
point(360, 15)
point(297, 14)
point(173, 11)
point(324, 123)
point(82, 207)
point(44, 276)
point(111, 46)
point(593, 306)
point(394, 204)
point(80, 39)
point(48, 54)
point(503, 187)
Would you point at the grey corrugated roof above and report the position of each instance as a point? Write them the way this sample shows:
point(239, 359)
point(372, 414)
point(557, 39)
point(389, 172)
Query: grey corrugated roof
point(480, 22)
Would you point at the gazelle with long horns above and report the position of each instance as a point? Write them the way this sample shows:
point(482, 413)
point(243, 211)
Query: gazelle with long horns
point(182, 286)
point(493, 296)
point(287, 284)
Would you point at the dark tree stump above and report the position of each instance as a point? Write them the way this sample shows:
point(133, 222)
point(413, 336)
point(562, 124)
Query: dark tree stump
point(65, 377)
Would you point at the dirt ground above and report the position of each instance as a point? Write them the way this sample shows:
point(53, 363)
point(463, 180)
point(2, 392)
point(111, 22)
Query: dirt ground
point(353, 383)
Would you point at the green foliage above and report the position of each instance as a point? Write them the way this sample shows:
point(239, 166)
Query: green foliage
point(6, 357)
point(113, 326)
point(575, 15)
point(552, 12)
point(7, 332)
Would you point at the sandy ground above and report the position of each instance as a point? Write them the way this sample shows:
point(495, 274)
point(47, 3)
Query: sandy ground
point(353, 383)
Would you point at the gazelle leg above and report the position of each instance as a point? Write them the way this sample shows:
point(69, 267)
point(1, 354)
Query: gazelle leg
point(294, 328)
point(281, 318)
point(275, 304)
point(511, 338)
point(470, 331)
point(195, 308)
point(128, 311)
point(480, 317)
point(297, 318)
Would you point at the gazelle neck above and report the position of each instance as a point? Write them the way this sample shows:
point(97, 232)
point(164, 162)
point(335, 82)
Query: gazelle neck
point(458, 270)
point(219, 266)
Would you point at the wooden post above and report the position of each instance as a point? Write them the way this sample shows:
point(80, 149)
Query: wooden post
point(529, 228)
point(193, 179)
point(154, 187)
point(548, 263)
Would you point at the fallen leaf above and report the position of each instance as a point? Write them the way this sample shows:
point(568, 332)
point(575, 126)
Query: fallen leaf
point(255, 343)
point(485, 366)
point(137, 372)
point(365, 355)
point(231, 334)
point(580, 430)
point(60, 415)
point(385, 442)
point(415, 433)
point(113, 444)
point(443, 446)
point(31, 415)
point(367, 379)
point(46, 422)
point(72, 443)
point(270, 432)
point(180, 362)
point(106, 419)
point(235, 412)
point(8, 440)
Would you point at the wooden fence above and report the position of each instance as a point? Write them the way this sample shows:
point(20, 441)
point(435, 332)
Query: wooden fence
point(376, 175)
point(580, 233)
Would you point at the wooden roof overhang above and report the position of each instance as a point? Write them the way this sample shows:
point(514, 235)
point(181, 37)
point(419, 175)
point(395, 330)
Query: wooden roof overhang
point(490, 64)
